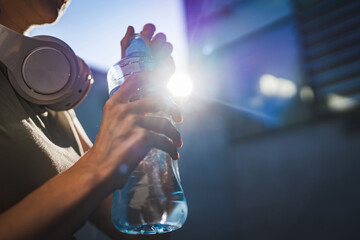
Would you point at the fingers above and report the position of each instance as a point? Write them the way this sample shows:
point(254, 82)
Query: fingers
point(165, 51)
point(158, 44)
point(125, 42)
point(162, 126)
point(158, 41)
point(162, 143)
point(156, 104)
point(160, 47)
point(130, 87)
point(148, 31)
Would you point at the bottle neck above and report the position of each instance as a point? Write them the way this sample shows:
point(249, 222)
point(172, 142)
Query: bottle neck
point(139, 47)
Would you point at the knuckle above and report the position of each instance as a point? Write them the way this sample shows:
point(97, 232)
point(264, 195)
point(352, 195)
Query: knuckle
point(134, 120)
point(167, 126)
point(125, 109)
point(156, 103)
point(168, 123)
point(143, 134)
point(107, 106)
point(117, 113)
point(119, 110)
point(177, 134)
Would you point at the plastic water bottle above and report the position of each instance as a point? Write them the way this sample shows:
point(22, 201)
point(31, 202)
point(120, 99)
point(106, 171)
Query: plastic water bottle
point(152, 201)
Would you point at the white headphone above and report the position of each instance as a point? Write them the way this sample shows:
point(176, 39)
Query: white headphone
point(44, 70)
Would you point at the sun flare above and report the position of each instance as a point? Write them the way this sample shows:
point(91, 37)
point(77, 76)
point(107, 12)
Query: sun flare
point(180, 85)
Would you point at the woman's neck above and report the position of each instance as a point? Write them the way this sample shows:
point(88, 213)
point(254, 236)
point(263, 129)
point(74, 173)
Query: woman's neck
point(19, 25)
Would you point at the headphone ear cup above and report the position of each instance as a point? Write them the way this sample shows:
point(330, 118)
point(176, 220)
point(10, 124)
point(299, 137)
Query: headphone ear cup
point(86, 80)
point(54, 40)
point(48, 70)
point(79, 83)
point(44, 70)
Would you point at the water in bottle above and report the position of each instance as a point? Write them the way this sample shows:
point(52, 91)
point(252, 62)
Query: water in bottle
point(152, 201)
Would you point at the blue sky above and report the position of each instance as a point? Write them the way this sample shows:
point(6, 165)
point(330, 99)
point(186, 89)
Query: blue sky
point(94, 28)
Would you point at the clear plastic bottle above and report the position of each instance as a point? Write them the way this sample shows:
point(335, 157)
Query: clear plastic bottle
point(152, 201)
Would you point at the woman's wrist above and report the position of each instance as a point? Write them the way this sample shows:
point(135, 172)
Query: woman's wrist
point(101, 172)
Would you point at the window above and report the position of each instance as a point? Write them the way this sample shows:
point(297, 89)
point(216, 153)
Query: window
point(277, 63)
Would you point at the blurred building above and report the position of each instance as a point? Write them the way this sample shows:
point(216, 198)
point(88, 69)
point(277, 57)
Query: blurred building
point(272, 131)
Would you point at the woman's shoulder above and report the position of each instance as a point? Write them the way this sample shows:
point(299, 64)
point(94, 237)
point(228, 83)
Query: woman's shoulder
point(10, 107)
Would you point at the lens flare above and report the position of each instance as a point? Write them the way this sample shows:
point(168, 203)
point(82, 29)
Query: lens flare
point(180, 85)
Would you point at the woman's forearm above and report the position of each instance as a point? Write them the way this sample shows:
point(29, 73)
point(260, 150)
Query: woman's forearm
point(57, 208)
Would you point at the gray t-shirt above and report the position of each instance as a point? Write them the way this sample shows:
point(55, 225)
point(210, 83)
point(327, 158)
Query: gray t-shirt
point(35, 144)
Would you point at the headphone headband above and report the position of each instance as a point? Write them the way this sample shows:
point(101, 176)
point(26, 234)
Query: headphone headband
point(44, 70)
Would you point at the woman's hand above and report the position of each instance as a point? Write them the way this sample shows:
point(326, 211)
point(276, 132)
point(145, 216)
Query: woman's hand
point(126, 134)
point(160, 49)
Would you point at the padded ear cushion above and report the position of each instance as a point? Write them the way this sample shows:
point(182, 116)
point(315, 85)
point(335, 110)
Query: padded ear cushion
point(86, 80)
point(52, 39)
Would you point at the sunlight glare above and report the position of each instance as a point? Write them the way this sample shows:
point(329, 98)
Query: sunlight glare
point(180, 85)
